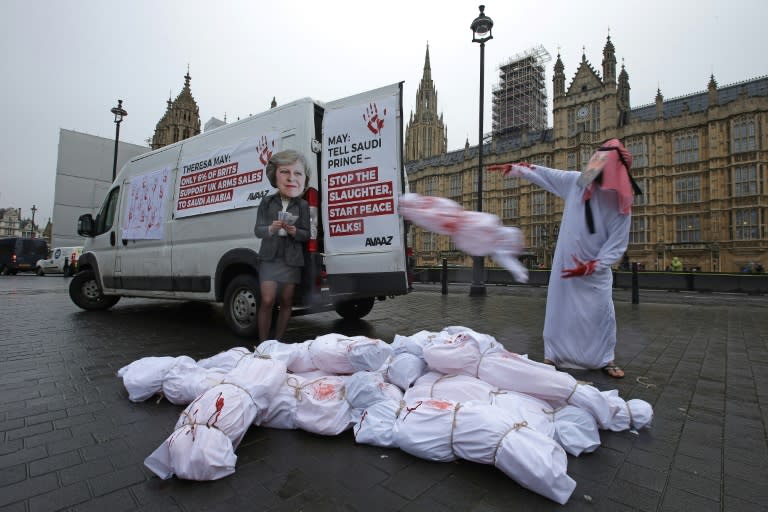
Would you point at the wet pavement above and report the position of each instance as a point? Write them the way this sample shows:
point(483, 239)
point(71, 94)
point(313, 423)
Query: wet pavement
point(71, 440)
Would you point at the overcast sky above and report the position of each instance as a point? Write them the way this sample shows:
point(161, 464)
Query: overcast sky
point(65, 63)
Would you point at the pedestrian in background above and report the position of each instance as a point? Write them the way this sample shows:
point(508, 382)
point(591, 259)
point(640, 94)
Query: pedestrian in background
point(580, 321)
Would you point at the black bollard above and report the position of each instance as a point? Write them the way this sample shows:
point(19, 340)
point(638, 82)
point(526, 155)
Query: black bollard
point(635, 285)
point(444, 277)
point(65, 270)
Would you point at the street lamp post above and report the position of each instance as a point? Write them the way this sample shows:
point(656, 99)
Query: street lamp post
point(34, 209)
point(119, 113)
point(481, 32)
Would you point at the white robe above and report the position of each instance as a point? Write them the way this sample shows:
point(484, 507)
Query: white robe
point(580, 322)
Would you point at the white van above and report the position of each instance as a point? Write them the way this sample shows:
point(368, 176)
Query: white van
point(62, 261)
point(178, 221)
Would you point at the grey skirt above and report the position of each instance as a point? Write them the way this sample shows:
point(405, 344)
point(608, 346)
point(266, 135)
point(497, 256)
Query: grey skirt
point(279, 271)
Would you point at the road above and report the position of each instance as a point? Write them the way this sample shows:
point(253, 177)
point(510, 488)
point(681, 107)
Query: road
point(71, 440)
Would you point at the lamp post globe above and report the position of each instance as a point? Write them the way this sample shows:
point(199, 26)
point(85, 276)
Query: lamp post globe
point(482, 31)
point(119, 113)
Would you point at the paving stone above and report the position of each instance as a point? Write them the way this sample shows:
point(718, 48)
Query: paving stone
point(748, 490)
point(28, 488)
point(118, 501)
point(699, 360)
point(697, 467)
point(12, 474)
point(680, 500)
point(645, 477)
point(59, 499)
point(695, 484)
point(89, 469)
point(119, 479)
point(28, 431)
point(640, 498)
point(54, 463)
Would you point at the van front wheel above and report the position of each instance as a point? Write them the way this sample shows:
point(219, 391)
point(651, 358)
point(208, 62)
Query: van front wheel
point(84, 290)
point(355, 309)
point(241, 306)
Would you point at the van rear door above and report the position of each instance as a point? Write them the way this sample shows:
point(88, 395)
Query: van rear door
point(362, 179)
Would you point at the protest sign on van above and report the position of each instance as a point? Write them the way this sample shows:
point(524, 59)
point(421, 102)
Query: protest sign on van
point(226, 178)
point(360, 175)
point(145, 205)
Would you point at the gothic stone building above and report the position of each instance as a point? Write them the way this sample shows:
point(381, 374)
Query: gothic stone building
point(181, 119)
point(426, 135)
point(700, 160)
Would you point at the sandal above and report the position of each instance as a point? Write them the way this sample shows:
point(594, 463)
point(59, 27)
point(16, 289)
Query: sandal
point(613, 370)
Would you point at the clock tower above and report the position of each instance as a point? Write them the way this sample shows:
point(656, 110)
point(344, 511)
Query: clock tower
point(590, 108)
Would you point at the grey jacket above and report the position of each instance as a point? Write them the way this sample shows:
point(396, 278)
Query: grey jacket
point(267, 213)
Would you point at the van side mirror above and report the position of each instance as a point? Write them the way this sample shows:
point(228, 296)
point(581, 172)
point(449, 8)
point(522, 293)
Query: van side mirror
point(85, 225)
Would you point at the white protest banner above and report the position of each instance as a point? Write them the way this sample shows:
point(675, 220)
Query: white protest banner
point(360, 168)
point(145, 207)
point(227, 178)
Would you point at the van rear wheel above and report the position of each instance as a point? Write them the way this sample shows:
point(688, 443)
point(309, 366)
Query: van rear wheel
point(355, 309)
point(84, 290)
point(241, 305)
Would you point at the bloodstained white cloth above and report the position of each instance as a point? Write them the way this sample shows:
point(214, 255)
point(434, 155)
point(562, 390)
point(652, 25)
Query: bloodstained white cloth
point(225, 411)
point(364, 389)
point(472, 354)
point(403, 369)
point(572, 427)
point(144, 377)
point(580, 321)
point(575, 430)
point(458, 388)
point(534, 411)
point(376, 424)
point(317, 405)
point(443, 430)
point(194, 453)
point(339, 354)
point(185, 381)
point(424, 429)
point(634, 413)
point(475, 233)
point(225, 360)
point(459, 351)
point(285, 352)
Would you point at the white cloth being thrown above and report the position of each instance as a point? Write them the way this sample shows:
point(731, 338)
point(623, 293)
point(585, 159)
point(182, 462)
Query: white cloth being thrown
point(475, 233)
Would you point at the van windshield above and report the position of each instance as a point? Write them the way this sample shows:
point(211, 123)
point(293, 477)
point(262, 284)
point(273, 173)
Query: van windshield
point(106, 216)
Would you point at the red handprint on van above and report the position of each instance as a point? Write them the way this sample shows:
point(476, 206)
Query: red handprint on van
point(265, 152)
point(371, 116)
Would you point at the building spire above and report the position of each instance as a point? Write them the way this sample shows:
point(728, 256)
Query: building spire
point(181, 119)
point(558, 79)
point(425, 132)
point(609, 62)
point(427, 67)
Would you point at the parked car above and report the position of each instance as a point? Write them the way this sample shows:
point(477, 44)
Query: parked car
point(20, 254)
point(63, 260)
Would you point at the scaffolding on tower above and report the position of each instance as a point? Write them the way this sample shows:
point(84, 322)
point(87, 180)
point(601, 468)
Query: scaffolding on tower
point(520, 98)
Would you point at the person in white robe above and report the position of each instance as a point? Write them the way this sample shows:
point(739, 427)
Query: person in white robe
point(580, 321)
